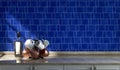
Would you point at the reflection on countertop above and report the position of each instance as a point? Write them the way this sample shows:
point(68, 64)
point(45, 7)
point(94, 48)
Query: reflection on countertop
point(10, 59)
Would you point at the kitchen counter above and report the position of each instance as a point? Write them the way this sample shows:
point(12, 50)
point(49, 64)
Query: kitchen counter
point(81, 60)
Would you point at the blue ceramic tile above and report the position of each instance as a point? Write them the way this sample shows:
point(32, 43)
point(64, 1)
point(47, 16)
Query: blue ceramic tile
point(4, 3)
point(117, 10)
point(82, 3)
point(59, 34)
point(72, 3)
point(118, 34)
point(70, 25)
point(91, 3)
point(80, 9)
point(111, 3)
point(102, 3)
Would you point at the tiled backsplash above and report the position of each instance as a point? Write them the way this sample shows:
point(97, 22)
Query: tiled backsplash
point(69, 25)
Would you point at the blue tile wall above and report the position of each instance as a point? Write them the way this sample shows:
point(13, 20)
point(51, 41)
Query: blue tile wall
point(69, 25)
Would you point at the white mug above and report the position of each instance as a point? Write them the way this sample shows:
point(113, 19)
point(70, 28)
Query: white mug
point(29, 43)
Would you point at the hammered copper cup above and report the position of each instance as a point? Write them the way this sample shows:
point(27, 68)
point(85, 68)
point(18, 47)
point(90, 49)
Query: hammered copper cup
point(43, 53)
point(26, 53)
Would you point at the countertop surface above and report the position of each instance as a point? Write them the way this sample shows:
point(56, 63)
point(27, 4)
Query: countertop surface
point(111, 60)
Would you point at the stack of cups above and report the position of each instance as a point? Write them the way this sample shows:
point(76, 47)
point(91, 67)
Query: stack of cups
point(35, 48)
